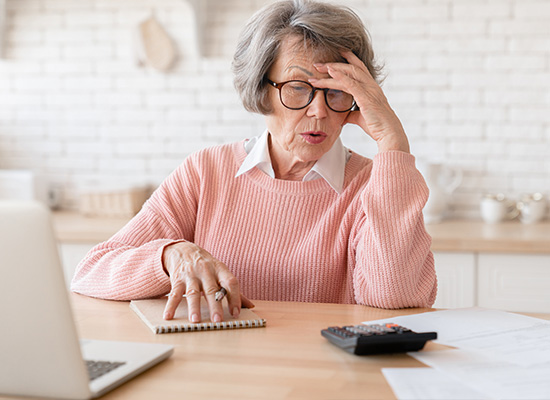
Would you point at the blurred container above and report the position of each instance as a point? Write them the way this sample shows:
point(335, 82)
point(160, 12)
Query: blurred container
point(532, 208)
point(442, 182)
point(121, 203)
point(497, 208)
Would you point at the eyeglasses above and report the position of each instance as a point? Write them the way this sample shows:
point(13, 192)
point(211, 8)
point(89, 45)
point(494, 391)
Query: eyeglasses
point(296, 95)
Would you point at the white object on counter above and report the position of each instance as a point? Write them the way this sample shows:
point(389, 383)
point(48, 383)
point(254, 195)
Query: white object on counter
point(442, 182)
point(532, 208)
point(497, 208)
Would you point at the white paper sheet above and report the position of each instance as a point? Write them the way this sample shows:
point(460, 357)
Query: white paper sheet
point(488, 375)
point(428, 384)
point(514, 338)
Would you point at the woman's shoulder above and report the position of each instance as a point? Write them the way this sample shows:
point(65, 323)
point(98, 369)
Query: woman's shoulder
point(358, 164)
point(201, 165)
point(222, 154)
point(220, 160)
point(358, 169)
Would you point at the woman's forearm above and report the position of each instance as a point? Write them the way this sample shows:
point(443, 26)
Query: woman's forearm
point(394, 264)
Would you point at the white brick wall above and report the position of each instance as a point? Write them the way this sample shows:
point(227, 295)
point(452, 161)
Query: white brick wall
point(470, 80)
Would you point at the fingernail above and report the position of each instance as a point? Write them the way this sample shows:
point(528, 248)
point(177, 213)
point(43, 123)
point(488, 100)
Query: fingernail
point(167, 315)
point(217, 318)
point(235, 312)
point(195, 318)
point(318, 65)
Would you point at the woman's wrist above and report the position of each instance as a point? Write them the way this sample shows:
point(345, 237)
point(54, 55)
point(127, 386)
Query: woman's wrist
point(169, 252)
point(394, 143)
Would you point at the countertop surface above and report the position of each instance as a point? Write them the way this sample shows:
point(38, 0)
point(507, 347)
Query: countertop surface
point(478, 236)
point(73, 227)
point(450, 235)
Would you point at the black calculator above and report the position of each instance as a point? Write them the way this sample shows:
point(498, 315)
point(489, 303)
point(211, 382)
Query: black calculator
point(377, 338)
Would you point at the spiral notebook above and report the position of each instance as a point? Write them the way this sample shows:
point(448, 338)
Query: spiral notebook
point(151, 311)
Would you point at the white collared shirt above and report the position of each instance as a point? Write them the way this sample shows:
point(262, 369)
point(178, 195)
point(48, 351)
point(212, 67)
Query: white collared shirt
point(331, 166)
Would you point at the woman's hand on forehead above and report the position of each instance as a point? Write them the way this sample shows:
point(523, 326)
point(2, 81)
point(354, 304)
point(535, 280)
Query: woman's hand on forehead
point(375, 116)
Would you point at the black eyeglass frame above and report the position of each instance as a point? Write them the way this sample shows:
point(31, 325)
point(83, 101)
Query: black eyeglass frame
point(280, 85)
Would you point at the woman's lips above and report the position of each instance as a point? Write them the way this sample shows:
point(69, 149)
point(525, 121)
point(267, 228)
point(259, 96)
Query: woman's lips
point(314, 137)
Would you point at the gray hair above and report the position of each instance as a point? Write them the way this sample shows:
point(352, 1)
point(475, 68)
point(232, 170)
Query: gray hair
point(327, 28)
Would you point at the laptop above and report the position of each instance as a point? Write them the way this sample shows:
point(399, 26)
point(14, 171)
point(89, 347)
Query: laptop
point(40, 352)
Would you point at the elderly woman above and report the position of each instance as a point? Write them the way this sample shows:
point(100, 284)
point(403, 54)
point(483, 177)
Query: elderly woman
point(290, 215)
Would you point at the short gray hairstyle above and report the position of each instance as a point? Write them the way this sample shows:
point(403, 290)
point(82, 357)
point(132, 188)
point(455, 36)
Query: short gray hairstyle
point(324, 27)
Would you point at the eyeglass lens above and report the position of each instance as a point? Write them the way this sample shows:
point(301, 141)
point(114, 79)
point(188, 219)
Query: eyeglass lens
point(298, 94)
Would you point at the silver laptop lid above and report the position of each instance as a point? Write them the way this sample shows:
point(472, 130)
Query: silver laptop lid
point(39, 347)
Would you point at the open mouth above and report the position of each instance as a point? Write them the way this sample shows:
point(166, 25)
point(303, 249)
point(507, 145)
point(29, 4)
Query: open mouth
point(314, 137)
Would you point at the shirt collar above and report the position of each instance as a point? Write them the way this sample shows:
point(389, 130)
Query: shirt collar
point(330, 167)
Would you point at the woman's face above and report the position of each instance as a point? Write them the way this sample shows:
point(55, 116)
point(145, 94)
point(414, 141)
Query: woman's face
point(300, 136)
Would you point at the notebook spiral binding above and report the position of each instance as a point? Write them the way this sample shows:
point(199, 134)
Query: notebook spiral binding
point(211, 326)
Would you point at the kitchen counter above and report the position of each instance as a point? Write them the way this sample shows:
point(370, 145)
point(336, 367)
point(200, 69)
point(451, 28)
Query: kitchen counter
point(478, 236)
point(75, 228)
point(450, 235)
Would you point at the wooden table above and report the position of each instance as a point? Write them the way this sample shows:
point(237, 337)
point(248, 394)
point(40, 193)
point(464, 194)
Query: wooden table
point(289, 359)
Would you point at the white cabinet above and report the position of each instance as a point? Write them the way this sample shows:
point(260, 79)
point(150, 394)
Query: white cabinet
point(456, 279)
point(514, 282)
point(511, 282)
point(71, 254)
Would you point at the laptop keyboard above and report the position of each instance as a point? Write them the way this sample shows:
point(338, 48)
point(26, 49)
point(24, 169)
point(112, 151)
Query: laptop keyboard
point(100, 368)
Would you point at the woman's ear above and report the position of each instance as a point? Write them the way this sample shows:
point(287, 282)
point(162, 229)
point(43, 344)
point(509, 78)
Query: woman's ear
point(352, 117)
point(346, 120)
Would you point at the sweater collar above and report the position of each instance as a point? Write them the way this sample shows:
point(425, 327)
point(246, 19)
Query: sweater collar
point(330, 167)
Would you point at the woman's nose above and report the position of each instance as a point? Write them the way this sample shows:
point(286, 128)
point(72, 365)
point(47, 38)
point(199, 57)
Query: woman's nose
point(318, 107)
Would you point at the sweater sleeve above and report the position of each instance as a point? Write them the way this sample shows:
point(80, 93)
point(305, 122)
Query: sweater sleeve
point(129, 265)
point(394, 267)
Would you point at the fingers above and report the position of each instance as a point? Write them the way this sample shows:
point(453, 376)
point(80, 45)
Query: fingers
point(246, 303)
point(231, 285)
point(193, 296)
point(353, 74)
point(194, 271)
point(353, 78)
point(210, 287)
point(174, 299)
point(344, 77)
point(354, 60)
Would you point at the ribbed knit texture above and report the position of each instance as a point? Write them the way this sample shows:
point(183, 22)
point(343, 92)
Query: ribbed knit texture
point(283, 240)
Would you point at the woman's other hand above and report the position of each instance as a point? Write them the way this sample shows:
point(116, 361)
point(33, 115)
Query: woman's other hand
point(375, 116)
point(194, 272)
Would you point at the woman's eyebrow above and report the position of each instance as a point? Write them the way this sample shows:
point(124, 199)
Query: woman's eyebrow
point(301, 69)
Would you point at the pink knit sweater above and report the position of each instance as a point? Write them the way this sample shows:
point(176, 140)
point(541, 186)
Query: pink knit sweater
point(283, 240)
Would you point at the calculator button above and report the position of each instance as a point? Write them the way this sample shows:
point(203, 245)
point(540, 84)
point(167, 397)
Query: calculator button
point(342, 332)
point(366, 339)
